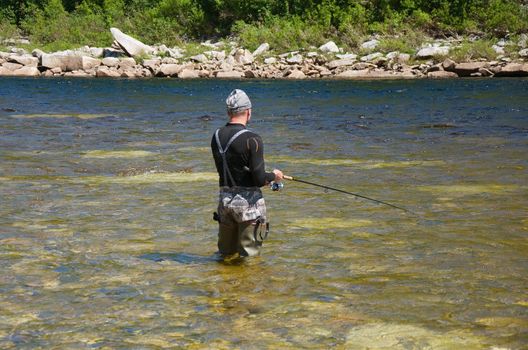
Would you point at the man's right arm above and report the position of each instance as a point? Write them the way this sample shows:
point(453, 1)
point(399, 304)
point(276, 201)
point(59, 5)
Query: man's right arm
point(257, 166)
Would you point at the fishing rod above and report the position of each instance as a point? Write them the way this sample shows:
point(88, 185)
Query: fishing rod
point(291, 178)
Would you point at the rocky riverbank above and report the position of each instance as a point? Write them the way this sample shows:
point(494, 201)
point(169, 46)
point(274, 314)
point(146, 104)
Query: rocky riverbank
point(129, 58)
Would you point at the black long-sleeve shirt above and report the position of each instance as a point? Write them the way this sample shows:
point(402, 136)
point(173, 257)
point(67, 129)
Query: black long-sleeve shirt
point(245, 157)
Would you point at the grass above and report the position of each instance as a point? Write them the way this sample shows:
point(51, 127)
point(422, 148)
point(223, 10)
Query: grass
point(473, 50)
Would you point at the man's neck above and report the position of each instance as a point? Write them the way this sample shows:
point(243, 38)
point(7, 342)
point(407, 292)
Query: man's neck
point(238, 120)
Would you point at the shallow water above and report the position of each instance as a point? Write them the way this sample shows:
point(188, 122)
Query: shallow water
point(108, 188)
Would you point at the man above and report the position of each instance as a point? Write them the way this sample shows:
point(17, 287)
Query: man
point(239, 159)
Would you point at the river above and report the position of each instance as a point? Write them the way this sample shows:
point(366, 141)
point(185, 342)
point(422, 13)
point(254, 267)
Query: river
point(108, 187)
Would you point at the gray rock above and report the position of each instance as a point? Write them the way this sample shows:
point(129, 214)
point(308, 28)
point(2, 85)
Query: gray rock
point(466, 69)
point(20, 72)
point(362, 66)
point(127, 63)
point(110, 61)
point(169, 70)
point(270, 60)
point(523, 53)
point(295, 59)
point(131, 46)
point(499, 50)
point(347, 56)
point(243, 57)
point(329, 47)
point(96, 51)
point(429, 52)
point(25, 60)
point(312, 54)
point(230, 75)
point(370, 45)
point(105, 72)
point(448, 64)
point(261, 49)
point(513, 70)
point(441, 74)
point(67, 63)
point(393, 55)
point(404, 58)
point(371, 57)
point(90, 62)
point(152, 64)
point(188, 74)
point(201, 58)
point(340, 63)
point(296, 74)
point(523, 41)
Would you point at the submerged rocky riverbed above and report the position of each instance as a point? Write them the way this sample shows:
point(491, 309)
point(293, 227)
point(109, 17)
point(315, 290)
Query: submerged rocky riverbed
point(108, 242)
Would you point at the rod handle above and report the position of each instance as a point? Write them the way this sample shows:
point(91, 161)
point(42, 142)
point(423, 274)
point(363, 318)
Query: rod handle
point(287, 177)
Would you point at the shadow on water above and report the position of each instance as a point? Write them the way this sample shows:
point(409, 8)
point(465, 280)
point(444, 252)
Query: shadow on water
point(181, 258)
point(193, 259)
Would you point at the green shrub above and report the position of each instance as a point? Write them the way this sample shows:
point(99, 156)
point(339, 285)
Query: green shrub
point(468, 51)
point(504, 16)
point(282, 34)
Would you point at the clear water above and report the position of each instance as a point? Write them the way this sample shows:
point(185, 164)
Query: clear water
point(107, 240)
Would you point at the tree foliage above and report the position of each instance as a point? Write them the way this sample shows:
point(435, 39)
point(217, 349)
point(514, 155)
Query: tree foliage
point(170, 21)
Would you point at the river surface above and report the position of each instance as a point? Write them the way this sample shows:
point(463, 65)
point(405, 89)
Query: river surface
point(107, 189)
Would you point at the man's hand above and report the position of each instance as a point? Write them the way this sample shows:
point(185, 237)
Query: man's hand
point(278, 175)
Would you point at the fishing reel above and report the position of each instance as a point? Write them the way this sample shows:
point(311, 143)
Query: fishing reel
point(276, 186)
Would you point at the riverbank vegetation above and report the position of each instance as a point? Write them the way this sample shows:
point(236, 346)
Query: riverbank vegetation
point(284, 24)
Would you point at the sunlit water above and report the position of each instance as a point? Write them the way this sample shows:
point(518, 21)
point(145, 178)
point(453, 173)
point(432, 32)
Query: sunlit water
point(107, 189)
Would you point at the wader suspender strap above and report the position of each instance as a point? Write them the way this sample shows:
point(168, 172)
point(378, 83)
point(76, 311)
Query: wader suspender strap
point(223, 154)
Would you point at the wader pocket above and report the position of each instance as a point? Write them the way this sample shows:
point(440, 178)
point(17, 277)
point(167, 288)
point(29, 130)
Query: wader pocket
point(261, 230)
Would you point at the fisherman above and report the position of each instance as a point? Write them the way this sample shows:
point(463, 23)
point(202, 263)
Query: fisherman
point(239, 157)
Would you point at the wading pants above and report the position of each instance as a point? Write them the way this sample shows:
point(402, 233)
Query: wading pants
point(242, 221)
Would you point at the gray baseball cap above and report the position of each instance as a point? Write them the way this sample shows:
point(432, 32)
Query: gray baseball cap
point(237, 101)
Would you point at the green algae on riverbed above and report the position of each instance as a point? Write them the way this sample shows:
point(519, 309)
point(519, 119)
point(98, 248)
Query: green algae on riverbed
point(108, 240)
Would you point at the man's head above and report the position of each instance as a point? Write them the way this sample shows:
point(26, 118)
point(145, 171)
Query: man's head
point(238, 104)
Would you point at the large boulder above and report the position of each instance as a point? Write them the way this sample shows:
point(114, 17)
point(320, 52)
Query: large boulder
point(25, 60)
point(90, 62)
point(131, 46)
point(295, 59)
point(296, 74)
point(188, 74)
point(127, 63)
point(468, 68)
point(23, 72)
point(169, 70)
point(370, 45)
point(67, 62)
point(110, 61)
point(442, 74)
point(513, 70)
point(261, 49)
point(523, 53)
point(434, 51)
point(329, 47)
point(105, 72)
point(12, 66)
point(340, 63)
point(243, 57)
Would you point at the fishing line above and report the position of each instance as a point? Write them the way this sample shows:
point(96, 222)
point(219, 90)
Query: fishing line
point(291, 178)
